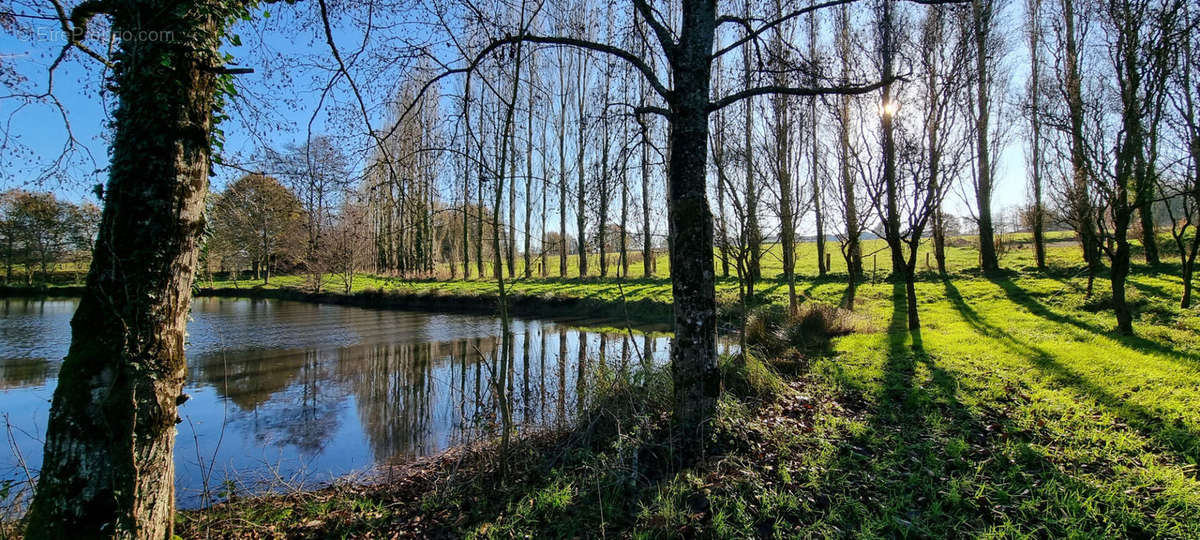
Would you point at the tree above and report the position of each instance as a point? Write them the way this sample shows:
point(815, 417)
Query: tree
point(1077, 191)
point(316, 172)
point(781, 108)
point(1185, 189)
point(815, 151)
point(981, 27)
point(261, 216)
point(851, 247)
point(9, 232)
point(349, 243)
point(108, 460)
point(918, 159)
point(1036, 158)
point(1141, 34)
point(83, 224)
point(38, 231)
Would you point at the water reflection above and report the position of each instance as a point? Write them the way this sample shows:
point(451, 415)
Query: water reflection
point(302, 392)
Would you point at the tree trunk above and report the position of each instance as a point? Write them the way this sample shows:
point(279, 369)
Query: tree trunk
point(542, 270)
point(852, 251)
point(647, 253)
point(981, 17)
point(512, 195)
point(479, 208)
point(605, 192)
point(1146, 213)
point(1119, 274)
point(697, 381)
point(466, 222)
point(787, 224)
point(1079, 198)
point(1035, 121)
point(753, 234)
point(562, 178)
point(624, 245)
point(108, 464)
point(818, 206)
point(529, 170)
point(581, 192)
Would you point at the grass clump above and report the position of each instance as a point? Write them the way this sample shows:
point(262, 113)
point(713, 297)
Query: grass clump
point(749, 378)
point(773, 331)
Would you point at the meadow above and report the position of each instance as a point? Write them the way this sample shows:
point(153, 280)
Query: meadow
point(1015, 411)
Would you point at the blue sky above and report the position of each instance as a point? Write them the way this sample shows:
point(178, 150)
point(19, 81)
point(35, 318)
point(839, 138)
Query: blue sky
point(284, 85)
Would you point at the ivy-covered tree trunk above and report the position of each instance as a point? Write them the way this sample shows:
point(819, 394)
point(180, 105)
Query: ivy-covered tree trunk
point(108, 466)
point(694, 350)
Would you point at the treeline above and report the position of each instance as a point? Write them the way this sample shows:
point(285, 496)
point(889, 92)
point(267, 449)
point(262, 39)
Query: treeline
point(40, 234)
point(557, 154)
point(555, 140)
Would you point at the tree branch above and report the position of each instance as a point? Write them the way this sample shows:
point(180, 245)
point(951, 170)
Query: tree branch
point(851, 90)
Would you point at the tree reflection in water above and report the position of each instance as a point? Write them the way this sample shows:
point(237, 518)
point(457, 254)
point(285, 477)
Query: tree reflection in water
point(285, 389)
point(414, 398)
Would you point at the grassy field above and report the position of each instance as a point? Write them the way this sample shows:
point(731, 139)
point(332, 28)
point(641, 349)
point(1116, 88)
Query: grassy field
point(961, 255)
point(962, 258)
point(1014, 412)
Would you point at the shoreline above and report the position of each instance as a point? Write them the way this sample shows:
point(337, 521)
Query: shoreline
point(648, 314)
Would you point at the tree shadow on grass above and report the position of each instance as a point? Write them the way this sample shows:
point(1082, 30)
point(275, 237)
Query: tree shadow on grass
point(922, 437)
point(1024, 299)
point(1173, 436)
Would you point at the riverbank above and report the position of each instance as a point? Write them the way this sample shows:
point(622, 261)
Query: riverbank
point(605, 302)
point(1015, 411)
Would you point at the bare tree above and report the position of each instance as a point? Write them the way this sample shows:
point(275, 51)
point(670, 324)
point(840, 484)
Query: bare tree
point(1036, 158)
point(1185, 191)
point(982, 28)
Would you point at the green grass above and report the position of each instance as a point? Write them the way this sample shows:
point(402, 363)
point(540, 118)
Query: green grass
point(962, 257)
point(1014, 412)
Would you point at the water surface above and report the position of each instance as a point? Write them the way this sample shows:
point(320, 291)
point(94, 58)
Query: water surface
point(290, 394)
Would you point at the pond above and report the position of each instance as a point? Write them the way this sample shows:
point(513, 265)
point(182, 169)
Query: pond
point(291, 394)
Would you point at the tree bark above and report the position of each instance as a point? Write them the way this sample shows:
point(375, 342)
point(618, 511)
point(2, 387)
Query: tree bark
point(1146, 214)
point(697, 382)
point(108, 465)
point(562, 168)
point(529, 167)
point(852, 251)
point(887, 119)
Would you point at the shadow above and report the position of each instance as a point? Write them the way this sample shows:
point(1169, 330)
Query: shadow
point(1024, 299)
point(915, 427)
point(1153, 290)
point(1173, 436)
